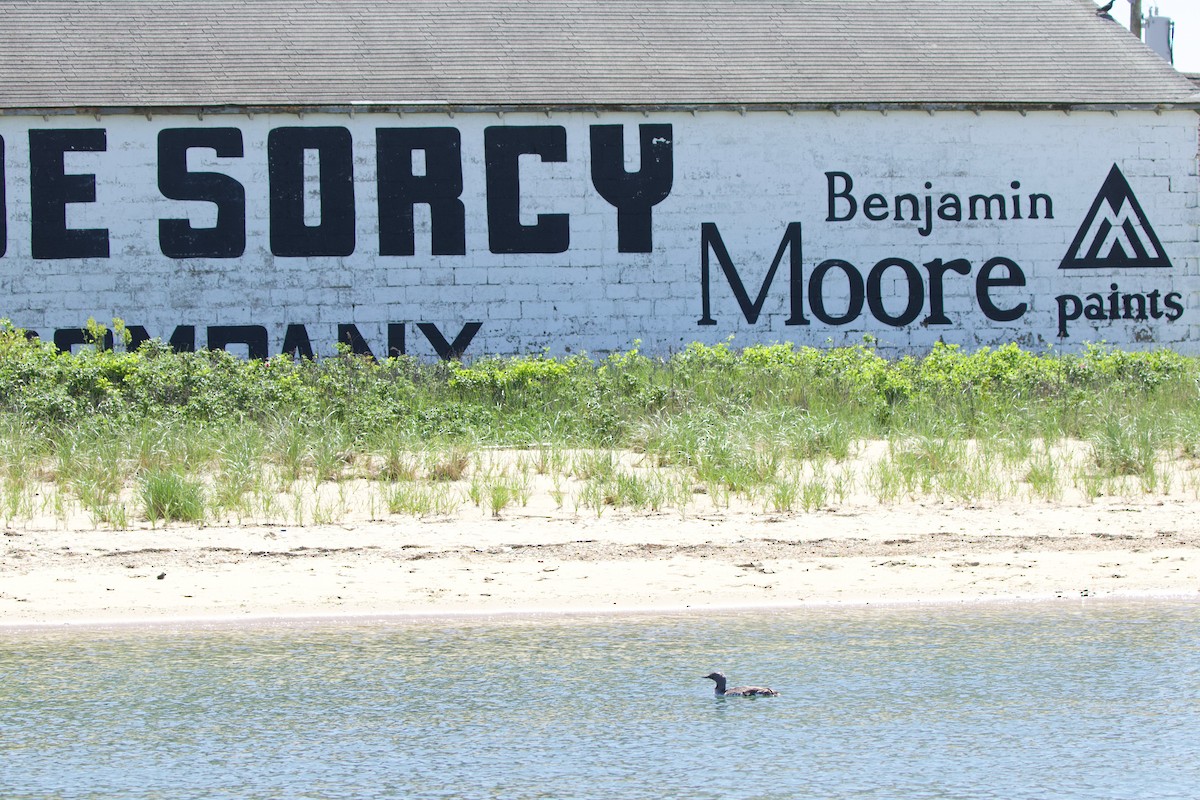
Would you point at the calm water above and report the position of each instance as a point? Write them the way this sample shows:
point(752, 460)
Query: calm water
point(1006, 701)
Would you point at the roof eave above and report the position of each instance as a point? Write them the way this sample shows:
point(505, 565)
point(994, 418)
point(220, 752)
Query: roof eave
point(447, 107)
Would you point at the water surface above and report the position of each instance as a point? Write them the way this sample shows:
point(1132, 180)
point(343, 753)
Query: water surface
point(1070, 700)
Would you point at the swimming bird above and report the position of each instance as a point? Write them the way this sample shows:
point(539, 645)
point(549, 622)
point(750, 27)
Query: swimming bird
point(739, 691)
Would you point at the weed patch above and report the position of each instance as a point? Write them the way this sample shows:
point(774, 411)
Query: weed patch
point(168, 496)
point(118, 434)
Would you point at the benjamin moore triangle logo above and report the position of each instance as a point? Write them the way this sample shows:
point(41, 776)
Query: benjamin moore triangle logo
point(1115, 234)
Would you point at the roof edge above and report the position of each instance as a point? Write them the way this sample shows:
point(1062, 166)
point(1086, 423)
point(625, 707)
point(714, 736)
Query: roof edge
point(443, 107)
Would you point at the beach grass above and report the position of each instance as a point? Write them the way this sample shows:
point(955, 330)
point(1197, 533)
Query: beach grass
point(127, 437)
point(169, 496)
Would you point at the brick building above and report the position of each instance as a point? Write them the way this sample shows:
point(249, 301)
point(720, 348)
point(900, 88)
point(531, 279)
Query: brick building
point(507, 176)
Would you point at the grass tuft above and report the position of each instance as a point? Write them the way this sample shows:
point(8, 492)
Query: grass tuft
point(168, 496)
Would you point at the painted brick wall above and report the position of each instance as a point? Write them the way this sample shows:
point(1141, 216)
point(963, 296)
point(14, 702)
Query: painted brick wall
point(741, 190)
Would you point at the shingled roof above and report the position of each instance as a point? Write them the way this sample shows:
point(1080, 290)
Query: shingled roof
point(498, 54)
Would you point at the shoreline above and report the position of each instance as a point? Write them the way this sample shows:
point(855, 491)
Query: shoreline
point(534, 564)
point(422, 617)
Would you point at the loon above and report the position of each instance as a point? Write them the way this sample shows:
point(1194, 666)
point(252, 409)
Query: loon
point(739, 691)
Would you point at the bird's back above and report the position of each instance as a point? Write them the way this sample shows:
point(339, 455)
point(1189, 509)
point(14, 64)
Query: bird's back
point(751, 691)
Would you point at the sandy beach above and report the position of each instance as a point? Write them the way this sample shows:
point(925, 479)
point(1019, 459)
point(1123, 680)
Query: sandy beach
point(533, 561)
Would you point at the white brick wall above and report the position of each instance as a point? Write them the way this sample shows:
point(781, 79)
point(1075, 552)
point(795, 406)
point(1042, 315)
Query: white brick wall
point(750, 176)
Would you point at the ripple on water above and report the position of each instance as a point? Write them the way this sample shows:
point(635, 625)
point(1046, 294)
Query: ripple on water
point(989, 701)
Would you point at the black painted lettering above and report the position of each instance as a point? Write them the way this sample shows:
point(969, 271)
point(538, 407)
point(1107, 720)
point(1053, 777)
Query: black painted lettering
point(985, 282)
point(1134, 307)
point(66, 339)
point(916, 292)
point(987, 202)
point(446, 350)
point(349, 336)
point(792, 242)
point(176, 237)
point(503, 147)
point(1069, 309)
point(633, 193)
point(290, 234)
point(927, 227)
point(875, 207)
point(439, 186)
point(1047, 206)
point(395, 339)
point(914, 205)
point(296, 342)
point(1174, 306)
point(950, 208)
point(937, 270)
point(51, 189)
point(220, 337)
point(835, 194)
point(138, 336)
point(1155, 311)
point(816, 292)
point(183, 339)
